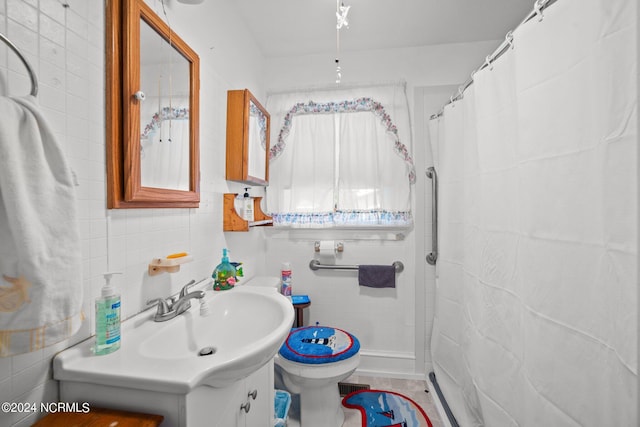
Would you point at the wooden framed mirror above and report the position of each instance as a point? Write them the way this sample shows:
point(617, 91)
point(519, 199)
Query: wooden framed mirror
point(248, 129)
point(152, 111)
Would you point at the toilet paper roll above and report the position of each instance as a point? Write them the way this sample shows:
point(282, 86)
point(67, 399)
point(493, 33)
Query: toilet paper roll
point(327, 253)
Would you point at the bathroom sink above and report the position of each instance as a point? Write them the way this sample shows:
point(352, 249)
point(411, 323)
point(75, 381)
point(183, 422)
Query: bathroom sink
point(244, 329)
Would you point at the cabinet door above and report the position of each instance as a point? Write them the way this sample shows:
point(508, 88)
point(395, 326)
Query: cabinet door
point(216, 407)
point(234, 405)
point(261, 381)
point(248, 128)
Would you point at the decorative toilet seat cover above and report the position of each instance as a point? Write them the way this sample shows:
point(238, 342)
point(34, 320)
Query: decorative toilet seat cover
point(319, 344)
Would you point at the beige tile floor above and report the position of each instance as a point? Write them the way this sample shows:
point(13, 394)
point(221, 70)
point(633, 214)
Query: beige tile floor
point(413, 389)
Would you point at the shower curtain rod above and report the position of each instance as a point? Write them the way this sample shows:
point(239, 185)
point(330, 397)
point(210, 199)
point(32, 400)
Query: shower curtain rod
point(538, 8)
point(402, 83)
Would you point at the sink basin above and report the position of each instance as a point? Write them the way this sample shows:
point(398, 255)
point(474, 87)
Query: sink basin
point(243, 331)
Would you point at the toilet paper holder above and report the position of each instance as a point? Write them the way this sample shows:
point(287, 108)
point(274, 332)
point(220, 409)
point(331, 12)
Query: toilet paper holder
point(339, 246)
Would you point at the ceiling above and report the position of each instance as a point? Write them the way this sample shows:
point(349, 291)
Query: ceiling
point(303, 27)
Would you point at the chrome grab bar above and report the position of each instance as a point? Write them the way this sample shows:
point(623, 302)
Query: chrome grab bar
point(316, 265)
point(433, 256)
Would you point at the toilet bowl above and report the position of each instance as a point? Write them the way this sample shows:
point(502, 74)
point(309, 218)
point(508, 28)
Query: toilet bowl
point(311, 362)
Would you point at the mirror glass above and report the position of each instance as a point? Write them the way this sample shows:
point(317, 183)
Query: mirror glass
point(257, 160)
point(164, 113)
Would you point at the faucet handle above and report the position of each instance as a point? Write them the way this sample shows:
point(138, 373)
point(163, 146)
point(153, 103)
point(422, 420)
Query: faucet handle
point(185, 288)
point(163, 307)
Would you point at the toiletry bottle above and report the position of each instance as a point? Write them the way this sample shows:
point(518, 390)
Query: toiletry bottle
point(286, 279)
point(224, 276)
point(107, 319)
point(247, 206)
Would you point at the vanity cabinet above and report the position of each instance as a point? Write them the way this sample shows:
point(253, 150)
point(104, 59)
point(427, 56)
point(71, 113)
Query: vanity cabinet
point(248, 127)
point(202, 406)
point(262, 406)
point(245, 403)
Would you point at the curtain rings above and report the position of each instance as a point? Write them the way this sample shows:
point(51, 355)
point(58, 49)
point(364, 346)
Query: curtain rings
point(509, 39)
point(487, 62)
point(537, 8)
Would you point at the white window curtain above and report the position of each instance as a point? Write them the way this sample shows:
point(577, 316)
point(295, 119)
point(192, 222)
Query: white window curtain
point(165, 143)
point(340, 158)
point(537, 288)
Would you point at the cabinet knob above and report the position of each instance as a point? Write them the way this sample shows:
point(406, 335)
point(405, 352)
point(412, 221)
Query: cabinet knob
point(253, 394)
point(246, 406)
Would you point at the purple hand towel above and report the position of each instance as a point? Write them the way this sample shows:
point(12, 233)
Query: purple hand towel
point(377, 276)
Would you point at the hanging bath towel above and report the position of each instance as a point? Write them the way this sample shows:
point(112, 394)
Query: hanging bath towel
point(377, 276)
point(40, 260)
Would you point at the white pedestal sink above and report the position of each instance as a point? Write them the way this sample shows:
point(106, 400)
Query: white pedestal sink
point(161, 362)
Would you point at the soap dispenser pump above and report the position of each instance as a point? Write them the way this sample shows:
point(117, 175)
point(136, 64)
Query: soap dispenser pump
point(224, 275)
point(107, 318)
point(247, 206)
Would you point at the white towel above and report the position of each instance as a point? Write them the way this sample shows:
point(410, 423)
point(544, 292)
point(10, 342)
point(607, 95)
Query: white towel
point(40, 255)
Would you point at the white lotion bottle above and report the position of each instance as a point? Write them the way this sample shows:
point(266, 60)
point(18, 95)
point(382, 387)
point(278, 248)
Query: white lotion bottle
point(107, 318)
point(285, 287)
point(247, 206)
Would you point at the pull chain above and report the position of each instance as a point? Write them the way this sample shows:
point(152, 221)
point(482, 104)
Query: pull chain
point(170, 72)
point(341, 20)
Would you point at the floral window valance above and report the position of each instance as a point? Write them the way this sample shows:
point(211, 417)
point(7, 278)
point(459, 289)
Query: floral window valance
point(166, 113)
point(347, 106)
point(341, 160)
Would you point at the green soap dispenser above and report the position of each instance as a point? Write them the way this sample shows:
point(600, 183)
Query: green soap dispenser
point(224, 276)
point(107, 319)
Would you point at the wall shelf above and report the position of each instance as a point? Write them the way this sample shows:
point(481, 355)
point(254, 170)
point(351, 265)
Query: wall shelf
point(231, 221)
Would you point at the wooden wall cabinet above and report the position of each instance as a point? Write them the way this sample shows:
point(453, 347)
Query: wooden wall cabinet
point(248, 127)
point(153, 82)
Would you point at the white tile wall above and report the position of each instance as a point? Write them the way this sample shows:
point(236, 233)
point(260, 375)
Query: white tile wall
point(394, 327)
point(65, 46)
point(39, 29)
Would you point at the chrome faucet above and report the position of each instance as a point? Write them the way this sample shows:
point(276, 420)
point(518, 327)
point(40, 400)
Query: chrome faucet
point(171, 307)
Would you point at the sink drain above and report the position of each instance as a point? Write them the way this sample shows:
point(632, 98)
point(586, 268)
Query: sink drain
point(207, 351)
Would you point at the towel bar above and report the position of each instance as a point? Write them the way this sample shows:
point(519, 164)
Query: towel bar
point(32, 75)
point(314, 264)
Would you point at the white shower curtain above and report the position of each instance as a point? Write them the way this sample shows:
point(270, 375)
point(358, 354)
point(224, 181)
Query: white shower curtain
point(536, 311)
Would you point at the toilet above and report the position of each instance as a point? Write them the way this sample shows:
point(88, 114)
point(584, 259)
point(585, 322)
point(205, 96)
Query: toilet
point(311, 362)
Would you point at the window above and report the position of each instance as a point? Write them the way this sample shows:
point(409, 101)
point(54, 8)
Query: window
point(341, 160)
